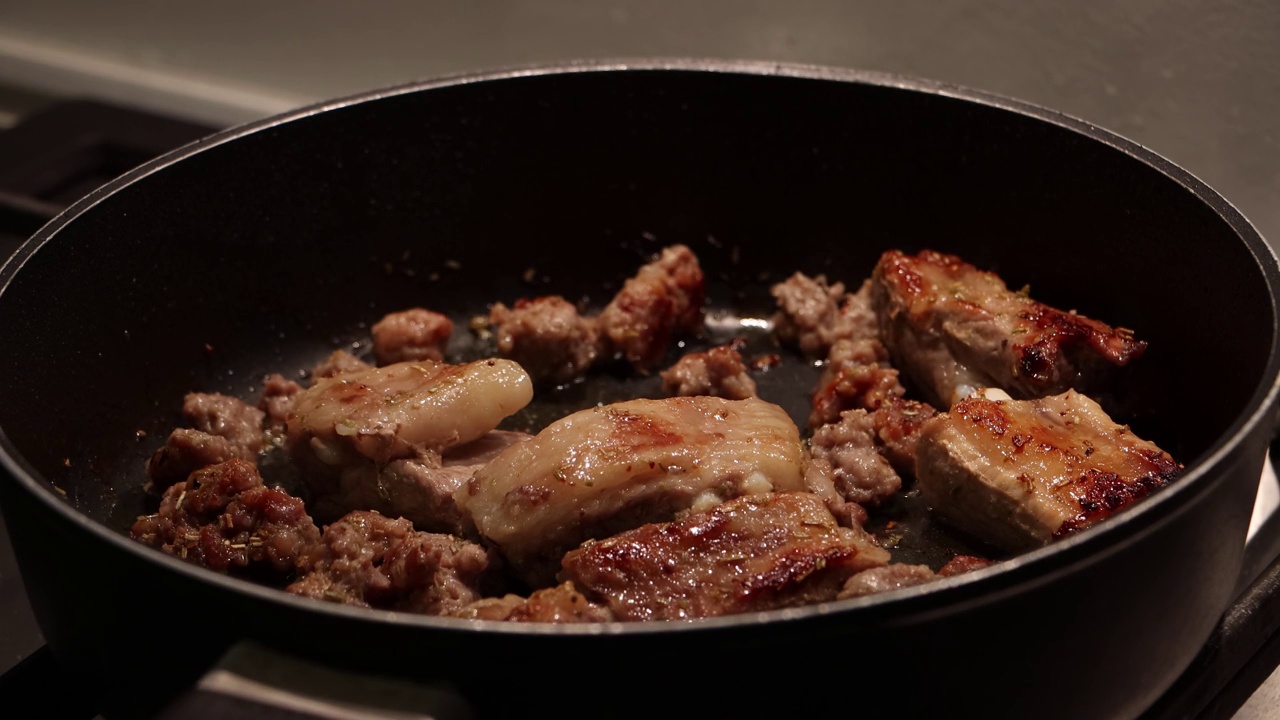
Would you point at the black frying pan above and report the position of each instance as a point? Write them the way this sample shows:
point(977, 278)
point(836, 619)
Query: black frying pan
point(263, 248)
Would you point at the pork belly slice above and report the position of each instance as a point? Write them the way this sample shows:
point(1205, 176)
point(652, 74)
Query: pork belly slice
point(368, 560)
point(226, 519)
point(1020, 473)
point(413, 334)
point(719, 371)
point(611, 468)
point(749, 554)
point(222, 428)
point(400, 410)
point(663, 300)
point(954, 328)
point(560, 604)
point(547, 335)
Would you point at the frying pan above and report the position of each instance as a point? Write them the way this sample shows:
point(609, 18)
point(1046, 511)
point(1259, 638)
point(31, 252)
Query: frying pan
point(263, 248)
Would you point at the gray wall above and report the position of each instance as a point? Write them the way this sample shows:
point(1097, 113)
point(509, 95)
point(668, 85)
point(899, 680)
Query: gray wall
point(1196, 81)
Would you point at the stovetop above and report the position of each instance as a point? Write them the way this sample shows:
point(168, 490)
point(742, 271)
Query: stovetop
point(59, 153)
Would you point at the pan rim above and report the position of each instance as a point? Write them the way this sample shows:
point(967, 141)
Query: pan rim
point(946, 595)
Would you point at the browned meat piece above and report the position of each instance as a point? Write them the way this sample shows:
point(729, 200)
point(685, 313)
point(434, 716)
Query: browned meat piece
point(897, 575)
point(961, 564)
point(846, 451)
point(749, 554)
point(338, 362)
point(559, 604)
point(662, 301)
point(1019, 473)
point(850, 385)
point(813, 315)
point(184, 452)
point(954, 328)
point(719, 371)
point(224, 428)
point(898, 424)
point(369, 560)
point(278, 393)
point(225, 519)
point(413, 334)
point(884, 579)
point(610, 468)
point(547, 336)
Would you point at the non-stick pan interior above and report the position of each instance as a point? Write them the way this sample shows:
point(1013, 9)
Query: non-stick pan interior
point(266, 252)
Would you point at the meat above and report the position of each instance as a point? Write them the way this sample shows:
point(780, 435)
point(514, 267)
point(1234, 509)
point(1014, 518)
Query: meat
point(369, 560)
point(849, 384)
point(896, 576)
point(898, 423)
point(400, 410)
point(413, 334)
point(338, 362)
point(547, 336)
point(559, 604)
point(276, 401)
point(227, 520)
point(663, 300)
point(954, 328)
point(847, 453)
point(224, 427)
point(719, 371)
point(814, 315)
point(1019, 473)
point(606, 469)
point(749, 554)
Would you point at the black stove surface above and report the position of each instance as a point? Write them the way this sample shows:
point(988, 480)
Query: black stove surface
point(60, 153)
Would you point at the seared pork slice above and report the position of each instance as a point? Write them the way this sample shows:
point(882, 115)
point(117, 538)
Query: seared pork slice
point(610, 468)
point(814, 315)
point(547, 336)
point(338, 362)
point(223, 427)
point(559, 604)
point(1020, 473)
point(848, 454)
point(227, 520)
point(749, 554)
point(664, 300)
point(401, 410)
point(719, 371)
point(368, 560)
point(954, 328)
point(413, 334)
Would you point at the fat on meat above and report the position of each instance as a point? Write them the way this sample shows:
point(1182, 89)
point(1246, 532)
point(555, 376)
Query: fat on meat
point(610, 468)
point(1021, 473)
point(954, 328)
point(400, 410)
point(750, 554)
